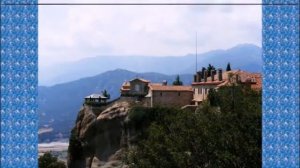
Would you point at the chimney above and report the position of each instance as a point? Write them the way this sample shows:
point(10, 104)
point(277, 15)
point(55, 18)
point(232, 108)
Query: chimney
point(195, 78)
point(202, 73)
point(237, 78)
point(220, 75)
point(205, 76)
point(212, 75)
point(199, 76)
point(165, 83)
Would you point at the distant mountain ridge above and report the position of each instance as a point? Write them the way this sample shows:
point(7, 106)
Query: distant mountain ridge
point(59, 104)
point(243, 56)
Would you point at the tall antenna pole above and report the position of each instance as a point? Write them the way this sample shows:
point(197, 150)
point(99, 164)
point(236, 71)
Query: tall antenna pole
point(196, 51)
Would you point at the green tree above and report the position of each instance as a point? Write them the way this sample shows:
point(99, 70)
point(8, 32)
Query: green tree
point(58, 164)
point(213, 97)
point(50, 161)
point(228, 68)
point(210, 137)
point(106, 94)
point(209, 69)
point(177, 81)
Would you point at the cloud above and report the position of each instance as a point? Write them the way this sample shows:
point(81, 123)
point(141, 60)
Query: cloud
point(69, 33)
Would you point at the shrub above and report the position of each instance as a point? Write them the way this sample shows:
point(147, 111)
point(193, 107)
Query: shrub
point(50, 161)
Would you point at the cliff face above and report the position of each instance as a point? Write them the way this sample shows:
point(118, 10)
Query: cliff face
point(99, 135)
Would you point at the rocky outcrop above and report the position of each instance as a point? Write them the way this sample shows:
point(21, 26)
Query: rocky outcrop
point(99, 135)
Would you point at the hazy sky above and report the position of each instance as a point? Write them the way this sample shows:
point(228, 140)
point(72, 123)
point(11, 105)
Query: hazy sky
point(70, 33)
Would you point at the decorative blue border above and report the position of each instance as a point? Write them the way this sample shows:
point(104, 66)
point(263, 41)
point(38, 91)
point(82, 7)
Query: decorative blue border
point(19, 68)
point(19, 119)
point(281, 85)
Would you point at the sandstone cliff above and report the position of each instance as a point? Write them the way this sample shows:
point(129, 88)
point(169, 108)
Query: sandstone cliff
point(99, 135)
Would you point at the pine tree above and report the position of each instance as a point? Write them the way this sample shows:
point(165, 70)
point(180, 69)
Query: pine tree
point(209, 69)
point(177, 81)
point(228, 68)
point(106, 94)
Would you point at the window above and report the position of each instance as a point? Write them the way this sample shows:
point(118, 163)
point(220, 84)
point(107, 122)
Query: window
point(199, 90)
point(178, 93)
point(160, 93)
point(137, 88)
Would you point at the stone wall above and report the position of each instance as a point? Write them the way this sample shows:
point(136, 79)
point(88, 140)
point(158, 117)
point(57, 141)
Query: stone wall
point(171, 98)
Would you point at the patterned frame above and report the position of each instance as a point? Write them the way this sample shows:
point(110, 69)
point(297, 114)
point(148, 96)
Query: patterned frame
point(19, 68)
point(281, 84)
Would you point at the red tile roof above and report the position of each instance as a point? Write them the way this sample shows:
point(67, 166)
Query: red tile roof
point(125, 86)
point(258, 84)
point(157, 84)
point(254, 79)
point(171, 88)
point(126, 83)
point(140, 79)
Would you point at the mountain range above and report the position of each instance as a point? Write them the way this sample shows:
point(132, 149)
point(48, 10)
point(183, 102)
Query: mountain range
point(243, 56)
point(60, 103)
